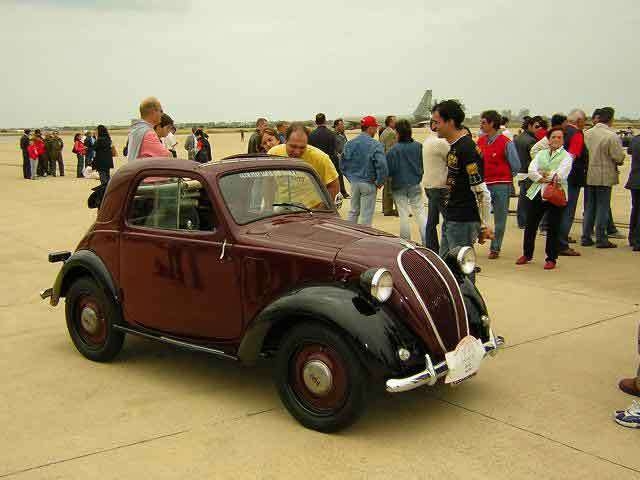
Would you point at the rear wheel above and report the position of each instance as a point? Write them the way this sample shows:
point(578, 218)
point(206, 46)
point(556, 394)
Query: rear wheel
point(91, 315)
point(320, 378)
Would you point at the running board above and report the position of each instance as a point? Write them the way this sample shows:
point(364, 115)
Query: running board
point(179, 343)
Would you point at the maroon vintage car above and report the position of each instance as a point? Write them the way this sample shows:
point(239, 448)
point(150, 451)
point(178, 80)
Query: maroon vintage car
point(248, 258)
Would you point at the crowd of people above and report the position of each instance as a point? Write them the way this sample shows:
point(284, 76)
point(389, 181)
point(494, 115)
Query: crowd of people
point(468, 183)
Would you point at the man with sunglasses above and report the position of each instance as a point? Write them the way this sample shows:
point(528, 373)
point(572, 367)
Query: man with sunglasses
point(143, 140)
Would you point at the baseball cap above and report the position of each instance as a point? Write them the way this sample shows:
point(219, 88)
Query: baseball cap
point(369, 121)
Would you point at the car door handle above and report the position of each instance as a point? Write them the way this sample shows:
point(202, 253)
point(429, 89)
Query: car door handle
point(225, 245)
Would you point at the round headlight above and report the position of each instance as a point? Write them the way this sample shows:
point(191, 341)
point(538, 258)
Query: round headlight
point(378, 283)
point(467, 260)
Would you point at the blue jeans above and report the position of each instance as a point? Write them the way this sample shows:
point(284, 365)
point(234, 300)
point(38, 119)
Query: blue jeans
point(459, 234)
point(500, 193)
point(598, 212)
point(436, 197)
point(410, 197)
point(568, 215)
point(363, 203)
point(611, 227)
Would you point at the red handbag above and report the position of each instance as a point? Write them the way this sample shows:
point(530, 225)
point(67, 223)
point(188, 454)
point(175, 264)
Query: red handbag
point(554, 194)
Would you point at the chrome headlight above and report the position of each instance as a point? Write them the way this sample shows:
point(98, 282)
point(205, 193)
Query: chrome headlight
point(378, 283)
point(466, 259)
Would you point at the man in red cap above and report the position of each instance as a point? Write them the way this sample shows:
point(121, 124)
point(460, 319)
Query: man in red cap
point(365, 166)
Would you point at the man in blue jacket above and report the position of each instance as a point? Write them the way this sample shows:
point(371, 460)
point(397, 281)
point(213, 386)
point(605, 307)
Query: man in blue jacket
point(365, 166)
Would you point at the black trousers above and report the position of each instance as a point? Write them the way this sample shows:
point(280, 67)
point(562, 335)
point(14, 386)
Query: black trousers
point(26, 165)
point(537, 209)
point(634, 220)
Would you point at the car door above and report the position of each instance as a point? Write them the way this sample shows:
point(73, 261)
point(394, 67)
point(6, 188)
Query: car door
point(175, 272)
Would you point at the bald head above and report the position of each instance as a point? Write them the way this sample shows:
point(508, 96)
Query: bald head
point(151, 110)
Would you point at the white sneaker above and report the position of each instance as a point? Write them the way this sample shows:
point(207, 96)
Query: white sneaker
point(630, 417)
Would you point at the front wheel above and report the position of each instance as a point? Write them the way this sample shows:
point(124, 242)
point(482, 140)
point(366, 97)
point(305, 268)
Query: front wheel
point(320, 378)
point(91, 315)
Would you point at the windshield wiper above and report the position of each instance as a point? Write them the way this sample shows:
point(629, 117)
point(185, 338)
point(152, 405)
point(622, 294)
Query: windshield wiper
point(296, 205)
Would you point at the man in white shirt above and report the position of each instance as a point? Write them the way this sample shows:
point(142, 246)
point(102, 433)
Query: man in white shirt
point(170, 142)
point(434, 181)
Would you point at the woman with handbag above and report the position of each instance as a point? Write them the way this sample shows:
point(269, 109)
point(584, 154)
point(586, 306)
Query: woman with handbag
point(103, 161)
point(548, 171)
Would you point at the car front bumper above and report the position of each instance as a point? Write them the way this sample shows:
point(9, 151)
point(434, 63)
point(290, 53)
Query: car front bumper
point(431, 373)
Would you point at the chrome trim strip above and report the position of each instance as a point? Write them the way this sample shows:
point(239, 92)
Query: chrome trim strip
point(464, 305)
point(430, 375)
point(415, 292)
point(171, 341)
point(455, 310)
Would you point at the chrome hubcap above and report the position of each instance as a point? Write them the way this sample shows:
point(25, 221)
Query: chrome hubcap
point(317, 377)
point(89, 320)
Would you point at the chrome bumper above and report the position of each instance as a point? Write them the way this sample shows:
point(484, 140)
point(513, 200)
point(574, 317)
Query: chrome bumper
point(431, 374)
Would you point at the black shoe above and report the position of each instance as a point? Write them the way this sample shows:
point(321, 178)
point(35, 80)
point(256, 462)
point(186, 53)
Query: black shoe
point(636, 248)
point(606, 245)
point(587, 243)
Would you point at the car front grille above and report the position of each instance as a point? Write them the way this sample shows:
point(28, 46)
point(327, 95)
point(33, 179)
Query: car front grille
point(438, 294)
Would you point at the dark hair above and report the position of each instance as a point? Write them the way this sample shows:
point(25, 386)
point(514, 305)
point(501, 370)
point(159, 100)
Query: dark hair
point(538, 119)
point(165, 120)
point(336, 122)
point(596, 113)
point(269, 131)
point(76, 137)
point(505, 120)
point(260, 120)
point(526, 122)
point(606, 114)
point(280, 124)
point(555, 129)
point(27, 131)
point(321, 119)
point(450, 110)
point(193, 129)
point(558, 119)
point(403, 127)
point(296, 127)
point(102, 131)
point(387, 121)
point(492, 117)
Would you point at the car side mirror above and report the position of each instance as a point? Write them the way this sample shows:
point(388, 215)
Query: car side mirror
point(338, 200)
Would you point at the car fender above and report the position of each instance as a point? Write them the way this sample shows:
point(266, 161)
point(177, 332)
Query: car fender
point(474, 303)
point(372, 328)
point(83, 262)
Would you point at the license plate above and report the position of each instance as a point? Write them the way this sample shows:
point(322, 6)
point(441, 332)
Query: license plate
point(465, 360)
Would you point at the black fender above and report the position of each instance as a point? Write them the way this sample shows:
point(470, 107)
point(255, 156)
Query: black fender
point(373, 329)
point(82, 263)
point(475, 305)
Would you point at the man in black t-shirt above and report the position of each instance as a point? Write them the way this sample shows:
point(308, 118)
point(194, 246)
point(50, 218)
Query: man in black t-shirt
point(467, 203)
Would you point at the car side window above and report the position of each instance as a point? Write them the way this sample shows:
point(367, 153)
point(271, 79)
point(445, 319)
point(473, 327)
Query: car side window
point(171, 203)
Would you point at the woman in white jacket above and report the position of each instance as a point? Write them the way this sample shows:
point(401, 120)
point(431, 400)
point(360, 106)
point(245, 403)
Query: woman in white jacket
point(548, 166)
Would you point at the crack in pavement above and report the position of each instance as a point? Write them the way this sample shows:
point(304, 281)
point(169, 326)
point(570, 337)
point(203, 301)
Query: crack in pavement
point(562, 332)
point(531, 432)
point(132, 444)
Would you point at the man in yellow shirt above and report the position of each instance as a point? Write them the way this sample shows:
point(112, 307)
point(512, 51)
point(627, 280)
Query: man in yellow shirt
point(297, 147)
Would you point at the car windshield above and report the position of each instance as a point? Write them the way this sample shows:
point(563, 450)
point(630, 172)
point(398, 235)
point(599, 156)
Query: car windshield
point(258, 194)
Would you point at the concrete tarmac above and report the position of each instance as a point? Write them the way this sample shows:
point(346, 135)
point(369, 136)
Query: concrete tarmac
point(542, 408)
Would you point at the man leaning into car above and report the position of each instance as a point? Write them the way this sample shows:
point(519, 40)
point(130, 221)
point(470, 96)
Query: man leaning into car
point(297, 147)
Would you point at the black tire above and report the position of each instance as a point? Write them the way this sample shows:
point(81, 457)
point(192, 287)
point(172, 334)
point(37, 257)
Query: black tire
point(102, 343)
point(344, 402)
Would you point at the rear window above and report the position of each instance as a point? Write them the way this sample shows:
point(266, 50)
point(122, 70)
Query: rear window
point(171, 203)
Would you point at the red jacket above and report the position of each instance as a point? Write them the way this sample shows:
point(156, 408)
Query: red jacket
point(496, 168)
point(39, 146)
point(79, 147)
point(33, 151)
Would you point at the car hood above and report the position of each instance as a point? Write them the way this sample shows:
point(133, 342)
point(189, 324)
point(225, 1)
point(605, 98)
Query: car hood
point(322, 235)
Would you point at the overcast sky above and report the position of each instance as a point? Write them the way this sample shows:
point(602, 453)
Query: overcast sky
point(92, 61)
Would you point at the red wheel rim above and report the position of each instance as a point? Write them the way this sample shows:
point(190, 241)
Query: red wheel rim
point(318, 377)
point(89, 322)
